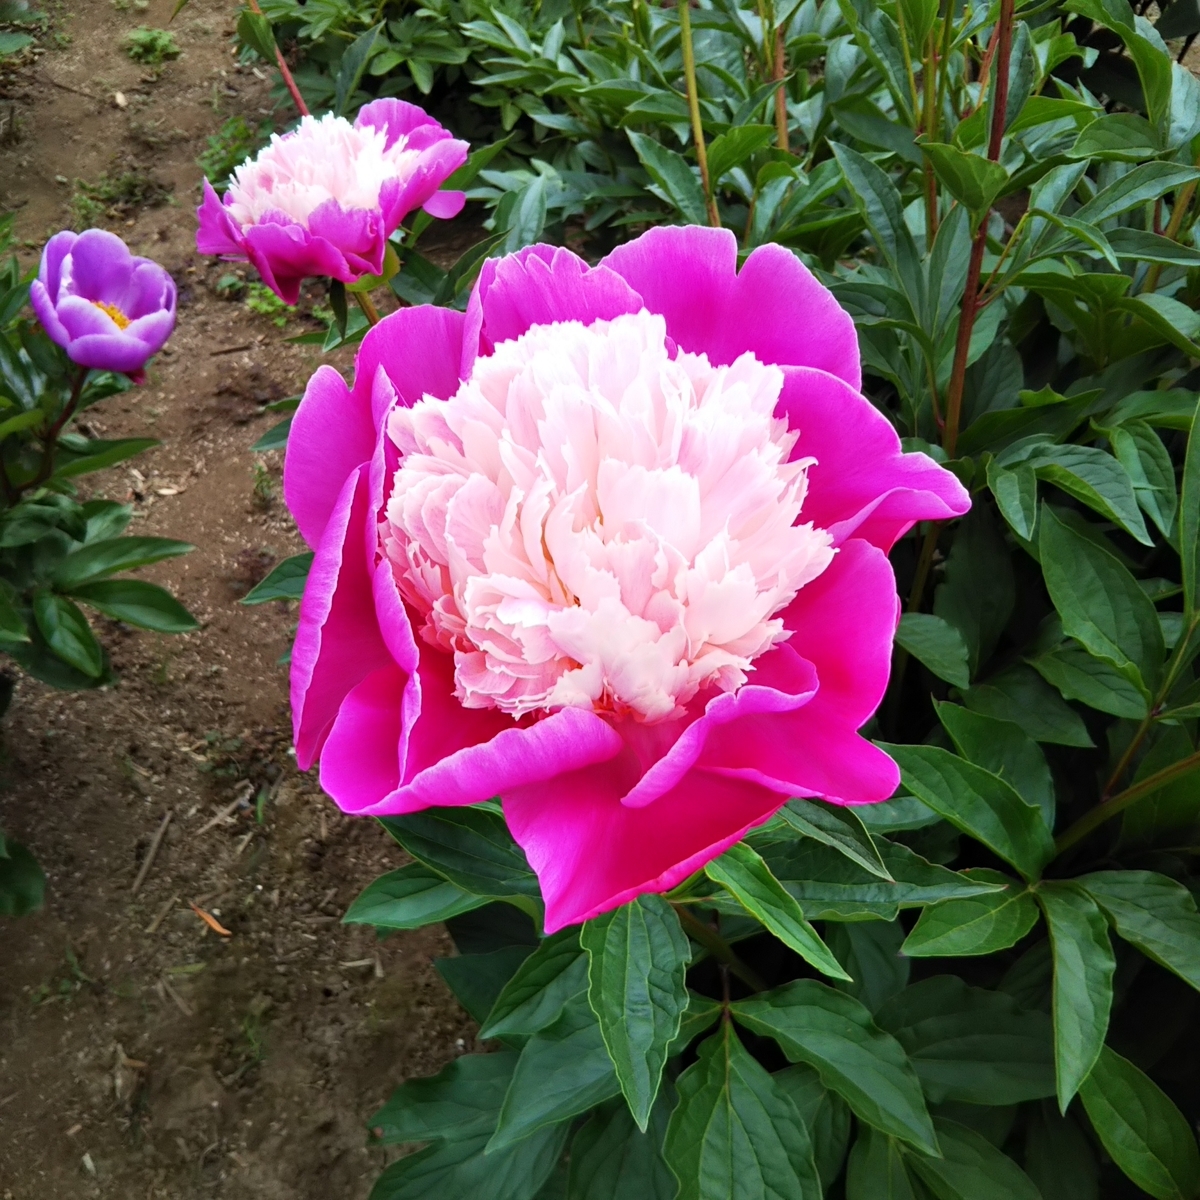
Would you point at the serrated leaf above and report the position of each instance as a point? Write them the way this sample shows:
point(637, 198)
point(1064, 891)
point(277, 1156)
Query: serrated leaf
point(410, 898)
point(735, 1135)
point(838, 826)
point(976, 925)
point(969, 1044)
point(637, 959)
point(978, 803)
point(834, 1034)
point(743, 872)
point(285, 582)
point(1083, 975)
point(1140, 1127)
point(937, 644)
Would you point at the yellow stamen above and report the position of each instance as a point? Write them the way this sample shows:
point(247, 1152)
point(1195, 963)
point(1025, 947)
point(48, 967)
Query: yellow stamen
point(113, 311)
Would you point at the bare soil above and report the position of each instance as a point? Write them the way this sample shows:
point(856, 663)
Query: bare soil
point(144, 1056)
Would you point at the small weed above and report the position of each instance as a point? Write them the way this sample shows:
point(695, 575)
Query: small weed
point(261, 300)
point(266, 489)
point(229, 147)
point(115, 196)
point(151, 46)
point(230, 287)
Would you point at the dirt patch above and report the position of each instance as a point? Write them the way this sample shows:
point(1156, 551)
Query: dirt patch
point(142, 1054)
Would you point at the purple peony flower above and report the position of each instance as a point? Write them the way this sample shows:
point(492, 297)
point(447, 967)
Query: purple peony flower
point(109, 309)
point(324, 199)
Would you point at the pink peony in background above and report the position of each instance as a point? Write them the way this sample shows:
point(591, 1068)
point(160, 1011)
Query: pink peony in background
point(323, 199)
point(611, 546)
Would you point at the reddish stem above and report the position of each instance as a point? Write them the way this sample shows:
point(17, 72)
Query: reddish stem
point(289, 82)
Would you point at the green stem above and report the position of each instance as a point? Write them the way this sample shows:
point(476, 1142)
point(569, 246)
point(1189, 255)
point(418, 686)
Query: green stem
point(693, 99)
point(50, 441)
point(368, 306)
point(1122, 800)
point(1183, 203)
point(719, 948)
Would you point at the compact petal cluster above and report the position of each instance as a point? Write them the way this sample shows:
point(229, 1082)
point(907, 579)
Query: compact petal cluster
point(611, 545)
point(109, 309)
point(323, 199)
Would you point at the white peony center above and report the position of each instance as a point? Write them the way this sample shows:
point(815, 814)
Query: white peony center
point(595, 520)
point(322, 159)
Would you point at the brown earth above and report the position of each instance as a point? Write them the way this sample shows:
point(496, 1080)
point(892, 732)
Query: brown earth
point(142, 1055)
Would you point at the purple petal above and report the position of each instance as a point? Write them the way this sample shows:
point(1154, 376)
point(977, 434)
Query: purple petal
point(108, 352)
point(82, 318)
point(43, 308)
point(218, 232)
point(152, 330)
point(100, 267)
point(50, 269)
point(151, 289)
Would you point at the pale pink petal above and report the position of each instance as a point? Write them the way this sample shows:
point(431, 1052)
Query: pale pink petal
point(774, 307)
point(862, 485)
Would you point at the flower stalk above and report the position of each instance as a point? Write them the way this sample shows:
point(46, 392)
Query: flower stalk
point(368, 307)
point(719, 948)
point(285, 74)
point(693, 100)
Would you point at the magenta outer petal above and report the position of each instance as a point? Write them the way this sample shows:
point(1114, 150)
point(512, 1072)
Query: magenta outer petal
point(338, 643)
point(396, 118)
point(774, 308)
point(404, 194)
point(43, 307)
point(591, 853)
point(419, 349)
point(445, 204)
point(331, 435)
point(862, 485)
point(359, 761)
point(356, 233)
point(218, 232)
point(284, 253)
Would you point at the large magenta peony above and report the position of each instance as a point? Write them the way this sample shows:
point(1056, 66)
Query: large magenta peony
point(611, 546)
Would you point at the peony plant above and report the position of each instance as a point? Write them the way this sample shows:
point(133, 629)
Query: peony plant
point(612, 555)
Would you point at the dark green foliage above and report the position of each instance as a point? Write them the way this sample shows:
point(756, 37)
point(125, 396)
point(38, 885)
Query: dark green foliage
point(979, 989)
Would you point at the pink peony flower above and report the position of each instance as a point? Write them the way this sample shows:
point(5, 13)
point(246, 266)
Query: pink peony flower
point(323, 199)
point(611, 546)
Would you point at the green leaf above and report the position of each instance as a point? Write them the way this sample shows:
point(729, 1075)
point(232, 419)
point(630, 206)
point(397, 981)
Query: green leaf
point(733, 148)
point(637, 956)
point(1141, 452)
point(735, 1135)
point(870, 952)
point(1097, 479)
point(937, 644)
point(285, 582)
point(462, 1101)
point(136, 602)
point(611, 1159)
point(1083, 973)
point(971, 1168)
point(1099, 601)
point(1141, 185)
point(478, 979)
point(1004, 749)
point(838, 826)
point(977, 803)
point(831, 887)
point(254, 30)
point(674, 176)
point(68, 633)
point(460, 1170)
point(469, 846)
point(824, 1114)
point(22, 881)
point(1189, 519)
point(1092, 681)
point(410, 898)
point(275, 438)
point(1018, 694)
point(353, 64)
point(1059, 1158)
point(1015, 490)
point(1154, 913)
point(977, 925)
point(98, 560)
point(876, 1170)
point(1140, 1127)
point(834, 1034)
point(971, 1045)
point(1121, 137)
point(563, 1071)
point(742, 872)
point(974, 181)
point(12, 624)
point(555, 973)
